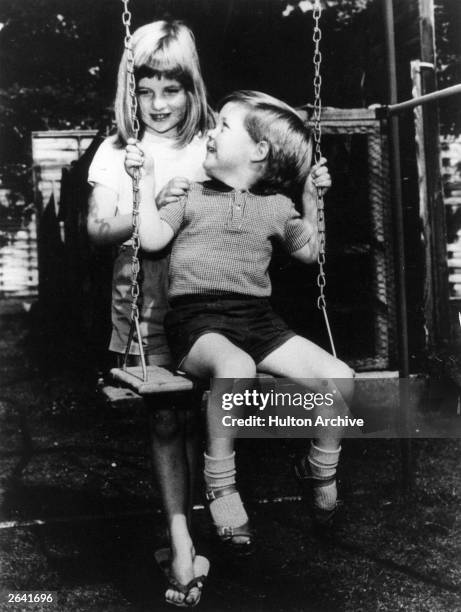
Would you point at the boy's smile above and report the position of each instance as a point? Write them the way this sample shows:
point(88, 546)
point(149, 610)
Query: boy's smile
point(230, 148)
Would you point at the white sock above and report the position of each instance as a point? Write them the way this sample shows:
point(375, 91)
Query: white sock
point(226, 511)
point(322, 465)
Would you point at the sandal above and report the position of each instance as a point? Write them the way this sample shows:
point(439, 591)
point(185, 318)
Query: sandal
point(229, 537)
point(324, 519)
point(201, 569)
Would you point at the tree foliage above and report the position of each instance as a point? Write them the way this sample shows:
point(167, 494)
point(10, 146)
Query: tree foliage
point(59, 57)
point(448, 40)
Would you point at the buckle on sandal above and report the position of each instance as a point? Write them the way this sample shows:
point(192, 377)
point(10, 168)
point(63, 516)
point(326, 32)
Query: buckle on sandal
point(212, 494)
point(226, 531)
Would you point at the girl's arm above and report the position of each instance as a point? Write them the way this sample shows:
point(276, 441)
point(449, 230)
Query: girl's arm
point(105, 228)
point(318, 178)
point(154, 233)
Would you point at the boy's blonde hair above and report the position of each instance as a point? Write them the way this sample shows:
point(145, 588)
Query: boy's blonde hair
point(289, 139)
point(165, 48)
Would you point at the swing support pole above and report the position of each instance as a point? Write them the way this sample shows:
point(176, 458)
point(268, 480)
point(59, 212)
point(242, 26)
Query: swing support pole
point(406, 446)
point(397, 190)
point(435, 96)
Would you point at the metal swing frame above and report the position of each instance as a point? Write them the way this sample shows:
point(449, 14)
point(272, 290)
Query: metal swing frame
point(148, 379)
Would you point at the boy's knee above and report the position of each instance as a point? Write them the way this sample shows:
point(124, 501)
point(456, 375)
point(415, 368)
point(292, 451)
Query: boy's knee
point(344, 379)
point(340, 370)
point(165, 423)
point(345, 371)
point(236, 366)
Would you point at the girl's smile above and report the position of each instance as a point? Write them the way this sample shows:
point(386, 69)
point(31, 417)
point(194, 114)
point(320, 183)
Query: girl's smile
point(162, 105)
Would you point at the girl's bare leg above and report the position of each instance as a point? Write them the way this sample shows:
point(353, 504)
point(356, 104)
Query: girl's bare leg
point(191, 436)
point(171, 467)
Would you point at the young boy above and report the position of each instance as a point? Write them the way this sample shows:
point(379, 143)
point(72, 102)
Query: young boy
point(221, 324)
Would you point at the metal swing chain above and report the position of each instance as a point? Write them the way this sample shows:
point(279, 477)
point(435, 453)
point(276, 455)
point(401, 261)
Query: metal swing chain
point(317, 61)
point(135, 240)
point(135, 264)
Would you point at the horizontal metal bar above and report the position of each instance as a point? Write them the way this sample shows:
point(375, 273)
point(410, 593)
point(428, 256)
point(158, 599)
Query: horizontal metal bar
point(430, 97)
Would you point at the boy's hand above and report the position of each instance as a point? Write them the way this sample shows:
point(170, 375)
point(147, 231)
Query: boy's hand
point(136, 159)
point(173, 190)
point(318, 178)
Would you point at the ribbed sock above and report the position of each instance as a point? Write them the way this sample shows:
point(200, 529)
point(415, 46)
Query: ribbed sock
point(322, 466)
point(226, 511)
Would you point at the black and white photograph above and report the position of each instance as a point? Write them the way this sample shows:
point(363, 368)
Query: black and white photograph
point(230, 305)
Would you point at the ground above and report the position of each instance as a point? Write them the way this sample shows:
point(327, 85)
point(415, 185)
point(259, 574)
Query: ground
point(80, 516)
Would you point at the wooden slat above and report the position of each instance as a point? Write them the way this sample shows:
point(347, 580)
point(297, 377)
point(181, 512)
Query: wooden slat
point(119, 394)
point(164, 381)
point(18, 260)
point(51, 151)
point(159, 380)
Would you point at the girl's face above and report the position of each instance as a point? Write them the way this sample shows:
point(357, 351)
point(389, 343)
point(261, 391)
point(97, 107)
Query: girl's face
point(162, 105)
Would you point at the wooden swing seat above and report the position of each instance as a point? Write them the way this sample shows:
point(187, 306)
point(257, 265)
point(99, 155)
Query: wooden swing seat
point(131, 385)
point(159, 380)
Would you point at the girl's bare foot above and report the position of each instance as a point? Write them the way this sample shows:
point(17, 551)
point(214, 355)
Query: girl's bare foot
point(182, 572)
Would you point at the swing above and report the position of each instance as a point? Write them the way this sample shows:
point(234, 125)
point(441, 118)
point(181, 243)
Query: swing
point(150, 380)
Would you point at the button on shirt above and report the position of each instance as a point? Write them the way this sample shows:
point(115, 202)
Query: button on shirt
point(223, 239)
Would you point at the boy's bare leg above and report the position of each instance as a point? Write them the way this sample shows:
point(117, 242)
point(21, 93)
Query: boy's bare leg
point(298, 358)
point(215, 357)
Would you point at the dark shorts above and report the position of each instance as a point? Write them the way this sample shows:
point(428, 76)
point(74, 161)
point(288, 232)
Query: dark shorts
point(249, 323)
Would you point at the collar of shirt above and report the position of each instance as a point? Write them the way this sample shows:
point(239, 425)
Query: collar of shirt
point(216, 185)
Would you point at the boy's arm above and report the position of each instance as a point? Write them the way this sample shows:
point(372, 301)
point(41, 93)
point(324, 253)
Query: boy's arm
point(154, 233)
point(318, 178)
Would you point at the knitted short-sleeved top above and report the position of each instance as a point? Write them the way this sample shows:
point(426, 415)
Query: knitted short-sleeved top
point(224, 239)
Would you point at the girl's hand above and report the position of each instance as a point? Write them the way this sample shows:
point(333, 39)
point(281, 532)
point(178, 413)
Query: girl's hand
point(318, 178)
point(136, 159)
point(173, 190)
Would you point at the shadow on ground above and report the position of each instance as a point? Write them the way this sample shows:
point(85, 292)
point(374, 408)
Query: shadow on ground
point(80, 515)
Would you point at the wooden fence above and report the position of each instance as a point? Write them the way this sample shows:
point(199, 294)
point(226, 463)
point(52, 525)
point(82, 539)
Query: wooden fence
point(75, 278)
point(51, 152)
point(18, 259)
point(451, 175)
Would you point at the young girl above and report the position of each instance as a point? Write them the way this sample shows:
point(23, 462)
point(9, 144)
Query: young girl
point(221, 325)
point(173, 116)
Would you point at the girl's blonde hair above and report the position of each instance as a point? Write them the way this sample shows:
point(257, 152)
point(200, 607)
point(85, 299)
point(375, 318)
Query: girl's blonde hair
point(165, 48)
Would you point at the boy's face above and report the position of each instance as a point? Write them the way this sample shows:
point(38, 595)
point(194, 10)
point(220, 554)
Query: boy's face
point(229, 147)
